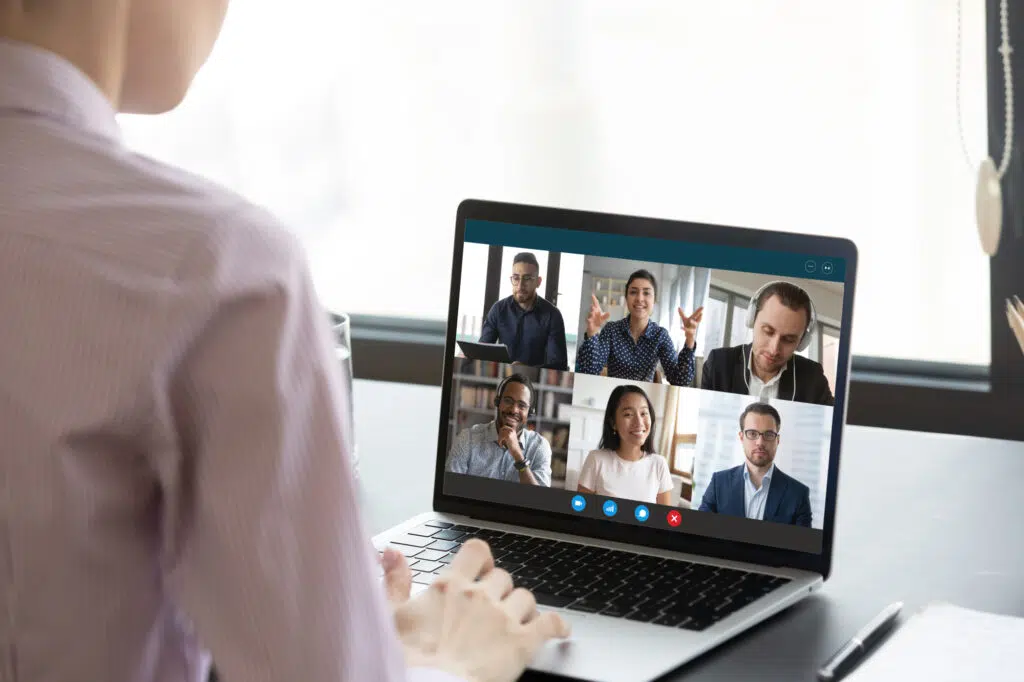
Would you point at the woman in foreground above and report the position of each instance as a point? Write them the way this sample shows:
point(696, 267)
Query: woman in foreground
point(174, 474)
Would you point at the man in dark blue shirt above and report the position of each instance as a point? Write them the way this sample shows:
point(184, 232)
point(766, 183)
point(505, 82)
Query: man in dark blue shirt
point(531, 328)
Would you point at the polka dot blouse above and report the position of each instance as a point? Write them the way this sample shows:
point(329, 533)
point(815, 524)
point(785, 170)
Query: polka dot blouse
point(626, 359)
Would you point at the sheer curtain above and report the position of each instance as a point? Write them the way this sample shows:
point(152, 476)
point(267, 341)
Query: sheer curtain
point(687, 288)
point(364, 124)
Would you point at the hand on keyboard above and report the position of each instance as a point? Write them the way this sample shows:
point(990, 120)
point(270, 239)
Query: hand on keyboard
point(470, 622)
point(674, 593)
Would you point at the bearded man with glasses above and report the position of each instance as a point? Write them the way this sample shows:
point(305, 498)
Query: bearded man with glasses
point(531, 327)
point(757, 489)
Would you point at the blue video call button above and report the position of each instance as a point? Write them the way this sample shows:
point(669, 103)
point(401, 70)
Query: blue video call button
point(641, 513)
point(579, 503)
point(610, 508)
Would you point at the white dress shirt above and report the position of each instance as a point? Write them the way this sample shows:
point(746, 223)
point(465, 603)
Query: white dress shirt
point(763, 390)
point(754, 499)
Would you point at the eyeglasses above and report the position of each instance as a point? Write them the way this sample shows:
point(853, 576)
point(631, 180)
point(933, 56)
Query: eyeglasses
point(519, 404)
point(525, 279)
point(769, 436)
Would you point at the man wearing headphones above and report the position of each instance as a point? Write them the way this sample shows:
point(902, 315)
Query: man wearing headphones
point(504, 448)
point(783, 319)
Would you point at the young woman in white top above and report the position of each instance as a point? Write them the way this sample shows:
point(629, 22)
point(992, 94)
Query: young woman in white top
point(625, 465)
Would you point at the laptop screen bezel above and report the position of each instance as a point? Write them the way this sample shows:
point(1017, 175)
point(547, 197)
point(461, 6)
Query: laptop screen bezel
point(702, 233)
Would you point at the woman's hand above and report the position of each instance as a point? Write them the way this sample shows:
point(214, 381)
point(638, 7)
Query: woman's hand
point(596, 318)
point(689, 325)
point(471, 622)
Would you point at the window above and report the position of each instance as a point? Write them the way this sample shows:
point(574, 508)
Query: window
point(712, 331)
point(367, 123)
point(829, 354)
point(685, 440)
point(471, 294)
point(738, 332)
point(570, 292)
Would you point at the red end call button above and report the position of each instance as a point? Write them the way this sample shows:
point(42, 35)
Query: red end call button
point(674, 518)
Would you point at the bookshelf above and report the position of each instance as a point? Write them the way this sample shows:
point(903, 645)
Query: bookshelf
point(611, 294)
point(474, 387)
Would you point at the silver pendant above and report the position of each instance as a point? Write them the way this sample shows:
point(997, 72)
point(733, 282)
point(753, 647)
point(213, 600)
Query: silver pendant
point(989, 207)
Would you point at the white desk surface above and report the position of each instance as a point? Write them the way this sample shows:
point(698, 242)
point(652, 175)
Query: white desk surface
point(945, 523)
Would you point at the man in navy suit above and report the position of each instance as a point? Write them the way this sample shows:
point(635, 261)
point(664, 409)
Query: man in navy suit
point(757, 489)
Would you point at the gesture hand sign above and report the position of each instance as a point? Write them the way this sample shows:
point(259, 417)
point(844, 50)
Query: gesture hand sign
point(689, 324)
point(597, 317)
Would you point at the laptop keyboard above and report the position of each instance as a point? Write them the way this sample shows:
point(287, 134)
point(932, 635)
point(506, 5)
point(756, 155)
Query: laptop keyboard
point(613, 583)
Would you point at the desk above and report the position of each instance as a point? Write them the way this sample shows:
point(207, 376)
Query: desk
point(945, 523)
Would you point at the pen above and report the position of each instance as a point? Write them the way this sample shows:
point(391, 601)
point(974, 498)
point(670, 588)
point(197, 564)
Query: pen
point(853, 651)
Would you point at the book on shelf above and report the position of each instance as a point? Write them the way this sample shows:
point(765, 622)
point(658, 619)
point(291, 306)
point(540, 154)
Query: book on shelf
point(560, 438)
point(554, 377)
point(549, 405)
point(493, 370)
point(557, 437)
point(476, 397)
point(481, 368)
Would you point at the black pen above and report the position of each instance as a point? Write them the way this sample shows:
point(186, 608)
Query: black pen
point(853, 651)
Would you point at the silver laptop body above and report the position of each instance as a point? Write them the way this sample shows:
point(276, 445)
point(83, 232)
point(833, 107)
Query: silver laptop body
point(617, 649)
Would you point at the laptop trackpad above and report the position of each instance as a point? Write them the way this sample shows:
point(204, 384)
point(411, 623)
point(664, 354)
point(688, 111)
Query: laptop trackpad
point(616, 650)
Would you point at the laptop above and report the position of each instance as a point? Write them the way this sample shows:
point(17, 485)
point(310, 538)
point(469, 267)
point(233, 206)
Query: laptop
point(491, 352)
point(714, 507)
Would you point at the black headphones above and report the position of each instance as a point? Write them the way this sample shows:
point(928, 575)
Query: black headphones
point(520, 379)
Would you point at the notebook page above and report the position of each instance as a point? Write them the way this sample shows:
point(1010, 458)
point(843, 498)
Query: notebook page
point(946, 643)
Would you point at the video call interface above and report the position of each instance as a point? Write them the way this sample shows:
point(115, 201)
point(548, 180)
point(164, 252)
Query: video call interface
point(683, 387)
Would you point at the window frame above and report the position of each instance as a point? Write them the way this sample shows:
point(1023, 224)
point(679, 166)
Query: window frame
point(677, 439)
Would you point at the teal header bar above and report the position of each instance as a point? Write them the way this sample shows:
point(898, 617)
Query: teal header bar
point(777, 263)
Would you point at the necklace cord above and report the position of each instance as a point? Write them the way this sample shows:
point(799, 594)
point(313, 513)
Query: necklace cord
point(1005, 51)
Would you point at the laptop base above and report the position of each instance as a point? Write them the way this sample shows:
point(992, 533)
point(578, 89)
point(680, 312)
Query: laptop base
point(606, 649)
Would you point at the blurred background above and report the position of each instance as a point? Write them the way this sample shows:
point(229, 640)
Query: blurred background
point(366, 124)
point(363, 125)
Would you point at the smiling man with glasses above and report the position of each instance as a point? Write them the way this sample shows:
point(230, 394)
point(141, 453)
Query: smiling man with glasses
point(530, 327)
point(504, 448)
point(757, 489)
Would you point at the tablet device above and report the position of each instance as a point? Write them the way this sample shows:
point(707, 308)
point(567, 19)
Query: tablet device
point(491, 352)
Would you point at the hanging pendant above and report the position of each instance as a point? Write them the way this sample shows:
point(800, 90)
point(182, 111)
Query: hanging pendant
point(989, 207)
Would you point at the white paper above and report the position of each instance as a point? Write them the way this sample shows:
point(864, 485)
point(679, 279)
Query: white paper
point(946, 643)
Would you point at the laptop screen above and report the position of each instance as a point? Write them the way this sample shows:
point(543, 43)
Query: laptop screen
point(684, 387)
